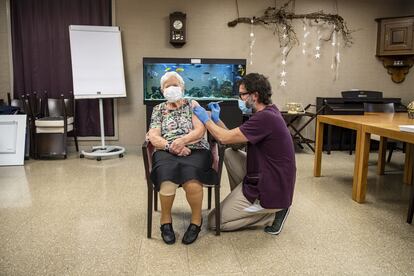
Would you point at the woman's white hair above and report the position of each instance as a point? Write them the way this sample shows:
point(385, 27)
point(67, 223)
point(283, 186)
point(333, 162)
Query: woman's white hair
point(169, 75)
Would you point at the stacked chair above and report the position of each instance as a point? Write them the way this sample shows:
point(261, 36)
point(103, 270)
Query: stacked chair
point(51, 130)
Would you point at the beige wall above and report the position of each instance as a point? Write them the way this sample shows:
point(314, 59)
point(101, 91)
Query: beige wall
point(144, 26)
point(4, 53)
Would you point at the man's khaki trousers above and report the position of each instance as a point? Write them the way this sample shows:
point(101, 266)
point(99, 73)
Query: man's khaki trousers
point(233, 215)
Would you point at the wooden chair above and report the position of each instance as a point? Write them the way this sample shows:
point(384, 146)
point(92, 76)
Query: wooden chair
point(217, 151)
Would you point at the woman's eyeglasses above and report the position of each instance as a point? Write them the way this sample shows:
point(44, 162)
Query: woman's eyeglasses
point(242, 94)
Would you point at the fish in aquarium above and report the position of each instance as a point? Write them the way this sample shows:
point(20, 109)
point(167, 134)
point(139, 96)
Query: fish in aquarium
point(152, 74)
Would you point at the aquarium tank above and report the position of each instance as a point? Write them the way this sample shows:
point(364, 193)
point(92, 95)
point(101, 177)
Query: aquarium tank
point(205, 79)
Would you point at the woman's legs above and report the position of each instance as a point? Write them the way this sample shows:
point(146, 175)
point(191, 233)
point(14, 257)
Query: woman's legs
point(167, 195)
point(194, 193)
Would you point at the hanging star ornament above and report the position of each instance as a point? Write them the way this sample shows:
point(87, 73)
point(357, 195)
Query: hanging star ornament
point(317, 55)
point(283, 83)
point(318, 48)
point(284, 61)
point(283, 73)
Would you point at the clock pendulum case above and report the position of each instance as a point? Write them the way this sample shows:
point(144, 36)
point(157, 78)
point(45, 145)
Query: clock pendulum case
point(178, 29)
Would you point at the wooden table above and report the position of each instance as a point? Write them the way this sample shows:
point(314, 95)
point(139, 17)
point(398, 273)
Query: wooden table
point(382, 124)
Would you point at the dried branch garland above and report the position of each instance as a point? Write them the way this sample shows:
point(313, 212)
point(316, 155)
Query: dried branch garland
point(281, 20)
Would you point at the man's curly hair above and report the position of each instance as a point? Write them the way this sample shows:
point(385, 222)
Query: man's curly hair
point(255, 82)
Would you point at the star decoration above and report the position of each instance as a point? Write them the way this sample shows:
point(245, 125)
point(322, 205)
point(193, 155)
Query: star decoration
point(283, 73)
point(283, 83)
point(317, 48)
point(317, 55)
point(284, 36)
point(284, 61)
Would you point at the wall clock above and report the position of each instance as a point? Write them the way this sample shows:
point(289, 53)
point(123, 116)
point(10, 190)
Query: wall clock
point(178, 29)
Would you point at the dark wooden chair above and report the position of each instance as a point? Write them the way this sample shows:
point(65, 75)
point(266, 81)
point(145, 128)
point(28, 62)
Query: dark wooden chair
point(217, 151)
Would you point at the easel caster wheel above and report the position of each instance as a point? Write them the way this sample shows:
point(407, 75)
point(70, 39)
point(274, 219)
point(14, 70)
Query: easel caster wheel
point(98, 159)
point(81, 156)
point(121, 155)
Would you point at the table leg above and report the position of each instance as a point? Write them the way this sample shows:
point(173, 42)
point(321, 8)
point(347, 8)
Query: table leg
point(381, 155)
point(359, 186)
point(409, 156)
point(318, 148)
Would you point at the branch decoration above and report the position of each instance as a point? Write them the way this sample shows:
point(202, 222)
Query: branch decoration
point(280, 20)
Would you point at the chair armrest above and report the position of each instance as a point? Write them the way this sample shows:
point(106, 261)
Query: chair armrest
point(217, 151)
point(147, 151)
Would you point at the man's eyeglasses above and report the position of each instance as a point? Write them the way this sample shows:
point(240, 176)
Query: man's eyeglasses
point(242, 94)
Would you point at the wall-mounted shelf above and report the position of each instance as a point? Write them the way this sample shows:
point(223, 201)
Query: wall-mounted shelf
point(395, 45)
point(397, 66)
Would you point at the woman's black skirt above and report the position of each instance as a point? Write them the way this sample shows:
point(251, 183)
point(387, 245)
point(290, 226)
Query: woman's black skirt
point(180, 169)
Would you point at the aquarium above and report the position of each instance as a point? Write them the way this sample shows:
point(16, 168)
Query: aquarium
point(205, 79)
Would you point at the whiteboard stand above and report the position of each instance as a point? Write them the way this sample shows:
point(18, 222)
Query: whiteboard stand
point(97, 65)
point(102, 150)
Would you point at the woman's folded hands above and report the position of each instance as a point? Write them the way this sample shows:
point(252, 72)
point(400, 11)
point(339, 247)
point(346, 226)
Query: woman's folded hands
point(178, 147)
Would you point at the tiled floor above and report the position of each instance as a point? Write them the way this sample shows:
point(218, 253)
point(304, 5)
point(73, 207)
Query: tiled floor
point(83, 217)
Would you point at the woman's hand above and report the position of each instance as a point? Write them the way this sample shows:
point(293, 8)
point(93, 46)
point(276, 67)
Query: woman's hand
point(177, 145)
point(184, 152)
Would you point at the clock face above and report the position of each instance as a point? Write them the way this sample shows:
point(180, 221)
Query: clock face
point(177, 24)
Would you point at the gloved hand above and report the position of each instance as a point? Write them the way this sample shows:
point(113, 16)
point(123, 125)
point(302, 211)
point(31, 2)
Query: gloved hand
point(215, 111)
point(201, 114)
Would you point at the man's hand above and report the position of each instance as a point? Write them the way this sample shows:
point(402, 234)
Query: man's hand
point(215, 111)
point(201, 114)
point(177, 145)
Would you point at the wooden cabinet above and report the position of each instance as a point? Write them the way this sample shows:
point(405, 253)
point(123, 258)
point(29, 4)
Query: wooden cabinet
point(395, 36)
point(395, 45)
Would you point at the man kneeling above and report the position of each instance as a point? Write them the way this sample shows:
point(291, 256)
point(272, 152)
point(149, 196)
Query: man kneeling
point(263, 179)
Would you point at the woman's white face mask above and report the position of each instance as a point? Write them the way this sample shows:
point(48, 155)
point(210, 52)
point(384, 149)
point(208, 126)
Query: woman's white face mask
point(173, 94)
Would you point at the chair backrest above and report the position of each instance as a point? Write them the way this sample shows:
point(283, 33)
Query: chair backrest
point(70, 107)
point(379, 107)
point(15, 102)
point(55, 107)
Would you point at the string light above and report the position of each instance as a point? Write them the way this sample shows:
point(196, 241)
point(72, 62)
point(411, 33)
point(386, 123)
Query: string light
point(305, 36)
point(252, 41)
point(285, 51)
point(318, 46)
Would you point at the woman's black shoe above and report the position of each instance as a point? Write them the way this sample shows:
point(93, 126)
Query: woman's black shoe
point(167, 233)
point(192, 233)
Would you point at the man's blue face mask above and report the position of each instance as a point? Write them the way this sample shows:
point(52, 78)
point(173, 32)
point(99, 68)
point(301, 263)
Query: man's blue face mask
point(243, 108)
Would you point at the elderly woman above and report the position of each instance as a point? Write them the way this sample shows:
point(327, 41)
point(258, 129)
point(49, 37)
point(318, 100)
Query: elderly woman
point(182, 156)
